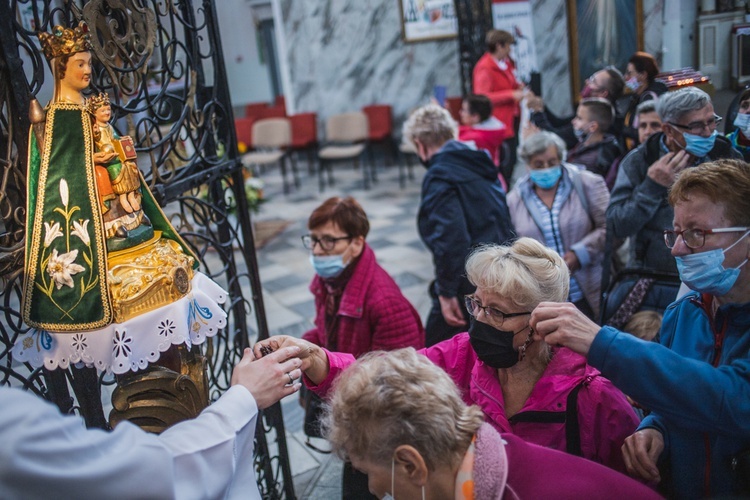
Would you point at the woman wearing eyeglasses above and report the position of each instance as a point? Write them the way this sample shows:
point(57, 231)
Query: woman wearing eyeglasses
point(697, 382)
point(544, 395)
point(358, 306)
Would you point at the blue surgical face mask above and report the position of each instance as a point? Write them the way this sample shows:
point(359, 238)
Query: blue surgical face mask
point(699, 146)
point(327, 266)
point(546, 178)
point(742, 122)
point(704, 272)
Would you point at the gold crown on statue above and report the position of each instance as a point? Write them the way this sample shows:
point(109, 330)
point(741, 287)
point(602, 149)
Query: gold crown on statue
point(65, 41)
point(96, 101)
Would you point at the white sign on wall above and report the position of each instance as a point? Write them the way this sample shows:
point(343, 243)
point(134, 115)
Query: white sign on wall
point(515, 17)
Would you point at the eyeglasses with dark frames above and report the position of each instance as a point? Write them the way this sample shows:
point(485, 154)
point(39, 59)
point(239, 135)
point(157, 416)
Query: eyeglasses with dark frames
point(327, 243)
point(496, 315)
point(696, 128)
point(696, 238)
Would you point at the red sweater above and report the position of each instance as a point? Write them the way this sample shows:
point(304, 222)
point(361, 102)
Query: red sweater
point(498, 85)
point(373, 313)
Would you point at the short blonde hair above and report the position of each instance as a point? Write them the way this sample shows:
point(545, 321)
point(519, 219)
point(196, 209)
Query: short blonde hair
point(644, 324)
point(525, 272)
point(385, 400)
point(431, 125)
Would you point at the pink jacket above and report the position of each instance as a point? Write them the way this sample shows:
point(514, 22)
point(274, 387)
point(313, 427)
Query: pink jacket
point(604, 415)
point(374, 314)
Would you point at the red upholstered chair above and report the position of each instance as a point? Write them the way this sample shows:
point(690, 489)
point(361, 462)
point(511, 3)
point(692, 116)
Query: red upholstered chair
point(280, 102)
point(255, 109)
point(380, 117)
point(453, 104)
point(275, 111)
point(305, 136)
point(244, 129)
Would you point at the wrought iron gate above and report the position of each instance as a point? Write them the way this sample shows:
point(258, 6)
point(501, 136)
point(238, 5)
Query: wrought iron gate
point(162, 63)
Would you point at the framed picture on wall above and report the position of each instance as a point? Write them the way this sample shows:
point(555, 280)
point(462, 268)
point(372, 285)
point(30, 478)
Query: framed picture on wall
point(602, 34)
point(424, 20)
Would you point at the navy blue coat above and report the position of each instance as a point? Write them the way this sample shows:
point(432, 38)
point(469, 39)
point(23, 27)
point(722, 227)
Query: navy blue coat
point(463, 205)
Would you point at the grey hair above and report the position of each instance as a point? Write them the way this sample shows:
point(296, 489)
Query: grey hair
point(538, 143)
point(431, 125)
point(525, 272)
point(673, 106)
point(646, 107)
point(388, 399)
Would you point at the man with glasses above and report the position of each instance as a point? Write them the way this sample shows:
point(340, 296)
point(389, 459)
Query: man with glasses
point(638, 206)
point(696, 441)
point(607, 83)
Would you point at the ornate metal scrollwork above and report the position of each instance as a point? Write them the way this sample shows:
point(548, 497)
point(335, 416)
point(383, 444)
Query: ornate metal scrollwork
point(161, 63)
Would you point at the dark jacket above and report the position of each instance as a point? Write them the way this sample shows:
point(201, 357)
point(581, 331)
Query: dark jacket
point(463, 205)
point(596, 158)
point(639, 207)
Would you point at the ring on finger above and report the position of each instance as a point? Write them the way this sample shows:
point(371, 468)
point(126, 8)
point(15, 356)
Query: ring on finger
point(291, 380)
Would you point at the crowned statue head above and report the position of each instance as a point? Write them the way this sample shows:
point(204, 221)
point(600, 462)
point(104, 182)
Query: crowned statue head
point(68, 52)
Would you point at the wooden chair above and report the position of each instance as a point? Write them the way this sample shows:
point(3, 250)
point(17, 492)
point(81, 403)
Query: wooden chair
point(346, 138)
point(271, 140)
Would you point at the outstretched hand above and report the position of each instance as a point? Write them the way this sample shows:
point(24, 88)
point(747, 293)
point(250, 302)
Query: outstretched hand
point(270, 378)
point(561, 323)
point(313, 360)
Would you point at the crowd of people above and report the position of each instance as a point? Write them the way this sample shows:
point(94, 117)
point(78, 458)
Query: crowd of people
point(512, 374)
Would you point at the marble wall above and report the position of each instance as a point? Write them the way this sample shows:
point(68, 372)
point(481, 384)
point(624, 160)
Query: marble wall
point(345, 54)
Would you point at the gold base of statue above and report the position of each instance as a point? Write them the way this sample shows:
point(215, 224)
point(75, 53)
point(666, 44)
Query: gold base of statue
point(160, 396)
point(148, 276)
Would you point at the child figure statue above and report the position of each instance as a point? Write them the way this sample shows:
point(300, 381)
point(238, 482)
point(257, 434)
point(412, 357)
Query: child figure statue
point(117, 179)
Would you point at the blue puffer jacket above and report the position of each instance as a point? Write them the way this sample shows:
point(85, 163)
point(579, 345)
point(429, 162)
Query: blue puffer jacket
point(463, 205)
point(698, 385)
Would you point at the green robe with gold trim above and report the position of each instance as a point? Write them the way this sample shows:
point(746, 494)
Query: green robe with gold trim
point(65, 287)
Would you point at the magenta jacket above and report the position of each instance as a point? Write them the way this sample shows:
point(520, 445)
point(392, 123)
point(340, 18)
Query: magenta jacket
point(374, 314)
point(604, 415)
point(508, 468)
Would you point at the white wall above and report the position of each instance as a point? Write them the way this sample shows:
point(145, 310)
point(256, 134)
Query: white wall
point(679, 39)
point(248, 78)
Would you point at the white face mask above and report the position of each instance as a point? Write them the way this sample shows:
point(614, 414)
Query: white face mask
point(390, 496)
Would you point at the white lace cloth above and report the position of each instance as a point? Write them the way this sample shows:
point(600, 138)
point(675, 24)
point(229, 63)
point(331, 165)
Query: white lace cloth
point(132, 345)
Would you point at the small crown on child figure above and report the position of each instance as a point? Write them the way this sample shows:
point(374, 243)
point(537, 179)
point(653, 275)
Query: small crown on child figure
point(65, 41)
point(96, 101)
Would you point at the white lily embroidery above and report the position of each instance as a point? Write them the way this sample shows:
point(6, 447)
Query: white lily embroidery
point(80, 229)
point(62, 267)
point(51, 233)
point(64, 192)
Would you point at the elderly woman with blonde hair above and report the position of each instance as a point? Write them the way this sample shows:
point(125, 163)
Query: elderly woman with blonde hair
point(545, 395)
point(401, 419)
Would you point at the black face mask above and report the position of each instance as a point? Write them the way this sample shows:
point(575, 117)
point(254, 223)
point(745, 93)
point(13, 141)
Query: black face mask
point(495, 347)
point(425, 163)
